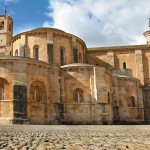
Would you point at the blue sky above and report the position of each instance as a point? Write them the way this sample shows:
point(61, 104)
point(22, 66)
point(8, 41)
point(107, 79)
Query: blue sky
point(97, 22)
point(26, 14)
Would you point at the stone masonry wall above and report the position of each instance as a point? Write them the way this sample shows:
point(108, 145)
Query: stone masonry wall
point(129, 87)
point(95, 107)
point(41, 38)
point(23, 73)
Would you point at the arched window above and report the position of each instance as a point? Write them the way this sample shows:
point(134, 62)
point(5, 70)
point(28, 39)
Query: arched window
point(124, 65)
point(37, 94)
point(16, 52)
point(2, 25)
point(9, 28)
point(75, 55)
point(36, 52)
point(50, 53)
point(132, 101)
point(62, 56)
point(78, 95)
point(1, 91)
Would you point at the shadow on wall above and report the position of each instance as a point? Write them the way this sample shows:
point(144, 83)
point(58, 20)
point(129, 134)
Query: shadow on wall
point(116, 62)
point(79, 109)
point(116, 69)
point(98, 62)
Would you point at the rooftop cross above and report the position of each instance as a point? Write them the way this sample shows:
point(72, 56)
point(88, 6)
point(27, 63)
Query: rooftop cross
point(5, 9)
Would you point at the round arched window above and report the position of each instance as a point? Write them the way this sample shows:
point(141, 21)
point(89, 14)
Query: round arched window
point(78, 95)
point(37, 94)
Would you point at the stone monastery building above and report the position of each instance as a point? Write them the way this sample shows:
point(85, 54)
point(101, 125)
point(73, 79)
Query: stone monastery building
point(49, 76)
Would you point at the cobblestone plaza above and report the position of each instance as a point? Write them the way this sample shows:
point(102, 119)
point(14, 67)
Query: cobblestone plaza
point(64, 137)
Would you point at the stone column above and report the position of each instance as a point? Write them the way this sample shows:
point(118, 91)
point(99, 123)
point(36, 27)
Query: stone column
point(115, 100)
point(93, 94)
point(139, 66)
point(99, 96)
point(100, 93)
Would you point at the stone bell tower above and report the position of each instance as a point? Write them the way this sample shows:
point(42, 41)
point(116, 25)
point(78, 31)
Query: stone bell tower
point(6, 33)
point(147, 36)
point(147, 33)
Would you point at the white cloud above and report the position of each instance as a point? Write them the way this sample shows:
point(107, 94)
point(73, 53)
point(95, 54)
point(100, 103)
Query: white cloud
point(139, 40)
point(101, 22)
point(47, 24)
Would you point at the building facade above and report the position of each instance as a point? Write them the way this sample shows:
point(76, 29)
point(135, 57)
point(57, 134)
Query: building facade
point(48, 76)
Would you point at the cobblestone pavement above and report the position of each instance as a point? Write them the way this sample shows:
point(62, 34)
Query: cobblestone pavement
point(94, 137)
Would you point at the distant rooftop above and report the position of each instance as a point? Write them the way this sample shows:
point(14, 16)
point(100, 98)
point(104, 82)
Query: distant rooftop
point(119, 47)
point(47, 29)
point(77, 65)
point(20, 58)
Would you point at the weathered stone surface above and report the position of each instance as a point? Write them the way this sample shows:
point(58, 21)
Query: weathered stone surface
point(49, 77)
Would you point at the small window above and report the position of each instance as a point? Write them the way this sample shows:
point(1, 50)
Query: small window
point(61, 56)
point(2, 25)
point(37, 94)
point(1, 91)
point(78, 95)
point(50, 53)
point(36, 52)
point(75, 55)
point(9, 27)
point(16, 52)
point(108, 98)
point(132, 101)
point(124, 65)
